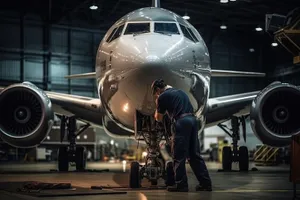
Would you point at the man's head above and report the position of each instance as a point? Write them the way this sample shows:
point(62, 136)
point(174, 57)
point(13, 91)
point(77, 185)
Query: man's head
point(157, 87)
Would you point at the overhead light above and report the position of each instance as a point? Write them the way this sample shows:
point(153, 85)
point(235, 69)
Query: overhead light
point(223, 27)
point(251, 50)
point(93, 7)
point(224, 1)
point(258, 28)
point(85, 137)
point(232, 0)
point(186, 17)
point(48, 137)
point(274, 44)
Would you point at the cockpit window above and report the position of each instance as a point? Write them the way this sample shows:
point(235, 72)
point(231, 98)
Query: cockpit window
point(193, 35)
point(137, 28)
point(166, 28)
point(111, 34)
point(115, 33)
point(188, 34)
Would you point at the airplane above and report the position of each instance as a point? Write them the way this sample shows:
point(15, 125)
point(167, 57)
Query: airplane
point(144, 45)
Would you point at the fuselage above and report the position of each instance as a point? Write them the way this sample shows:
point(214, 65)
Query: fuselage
point(144, 45)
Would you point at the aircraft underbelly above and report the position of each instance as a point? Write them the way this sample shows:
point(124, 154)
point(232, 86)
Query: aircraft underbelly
point(129, 92)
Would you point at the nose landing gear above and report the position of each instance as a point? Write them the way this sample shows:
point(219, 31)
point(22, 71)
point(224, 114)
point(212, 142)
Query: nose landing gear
point(235, 153)
point(152, 132)
point(71, 153)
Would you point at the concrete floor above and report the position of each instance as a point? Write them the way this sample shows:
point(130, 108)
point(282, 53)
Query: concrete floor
point(267, 183)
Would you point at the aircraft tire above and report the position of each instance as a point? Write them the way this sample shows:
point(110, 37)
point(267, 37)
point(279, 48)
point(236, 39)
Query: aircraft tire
point(63, 159)
point(134, 176)
point(227, 158)
point(80, 158)
point(243, 158)
point(170, 174)
point(153, 182)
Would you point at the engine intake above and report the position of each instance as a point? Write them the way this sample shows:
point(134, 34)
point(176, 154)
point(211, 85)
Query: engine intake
point(274, 114)
point(26, 115)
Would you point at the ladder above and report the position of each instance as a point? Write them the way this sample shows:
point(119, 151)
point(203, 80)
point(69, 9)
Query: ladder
point(265, 156)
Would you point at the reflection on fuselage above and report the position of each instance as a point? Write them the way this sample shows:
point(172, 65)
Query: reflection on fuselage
point(127, 64)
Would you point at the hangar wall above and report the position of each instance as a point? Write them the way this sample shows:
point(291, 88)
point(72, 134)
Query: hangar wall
point(43, 54)
point(229, 50)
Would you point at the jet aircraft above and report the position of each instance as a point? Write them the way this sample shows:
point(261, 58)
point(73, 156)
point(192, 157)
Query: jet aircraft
point(146, 44)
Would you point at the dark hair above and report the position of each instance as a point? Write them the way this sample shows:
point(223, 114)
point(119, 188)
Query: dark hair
point(157, 84)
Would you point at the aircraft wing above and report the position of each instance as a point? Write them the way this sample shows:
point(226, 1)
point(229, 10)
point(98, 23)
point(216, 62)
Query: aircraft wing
point(220, 109)
point(230, 73)
point(85, 108)
point(91, 75)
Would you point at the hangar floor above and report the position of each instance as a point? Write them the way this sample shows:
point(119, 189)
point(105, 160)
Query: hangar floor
point(266, 183)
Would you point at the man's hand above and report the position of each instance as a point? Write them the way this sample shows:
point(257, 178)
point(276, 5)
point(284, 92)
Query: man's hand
point(158, 116)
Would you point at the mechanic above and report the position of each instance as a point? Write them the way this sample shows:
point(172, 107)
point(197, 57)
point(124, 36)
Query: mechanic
point(185, 143)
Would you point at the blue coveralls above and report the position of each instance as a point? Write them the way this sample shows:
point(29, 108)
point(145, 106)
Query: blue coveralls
point(185, 137)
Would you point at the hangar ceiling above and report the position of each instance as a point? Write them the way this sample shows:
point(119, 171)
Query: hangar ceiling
point(241, 15)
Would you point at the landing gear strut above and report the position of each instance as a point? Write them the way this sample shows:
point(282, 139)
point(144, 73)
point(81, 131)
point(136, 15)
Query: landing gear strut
point(152, 132)
point(236, 153)
point(71, 153)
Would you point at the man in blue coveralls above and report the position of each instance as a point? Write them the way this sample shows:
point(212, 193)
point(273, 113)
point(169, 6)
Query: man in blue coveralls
point(185, 143)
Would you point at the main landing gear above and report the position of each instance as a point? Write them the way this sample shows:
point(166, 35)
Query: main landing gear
point(235, 153)
point(152, 132)
point(71, 153)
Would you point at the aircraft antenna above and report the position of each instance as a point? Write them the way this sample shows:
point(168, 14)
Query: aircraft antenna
point(156, 3)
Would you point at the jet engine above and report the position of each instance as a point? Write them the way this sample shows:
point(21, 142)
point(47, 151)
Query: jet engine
point(26, 115)
point(275, 113)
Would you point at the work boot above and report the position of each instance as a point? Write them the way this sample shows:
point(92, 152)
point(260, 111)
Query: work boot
point(203, 188)
point(169, 183)
point(175, 188)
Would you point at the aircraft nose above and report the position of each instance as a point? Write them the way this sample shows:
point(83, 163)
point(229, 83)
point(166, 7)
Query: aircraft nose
point(152, 58)
point(146, 49)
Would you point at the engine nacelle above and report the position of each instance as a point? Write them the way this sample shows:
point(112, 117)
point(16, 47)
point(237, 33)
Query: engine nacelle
point(275, 114)
point(26, 115)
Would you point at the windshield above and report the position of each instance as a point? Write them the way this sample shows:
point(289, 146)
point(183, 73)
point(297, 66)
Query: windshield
point(193, 35)
point(167, 28)
point(188, 33)
point(137, 28)
point(115, 33)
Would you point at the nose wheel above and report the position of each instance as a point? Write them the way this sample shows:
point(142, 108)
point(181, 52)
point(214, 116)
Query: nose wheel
point(235, 153)
point(134, 176)
point(72, 152)
point(151, 172)
point(152, 133)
